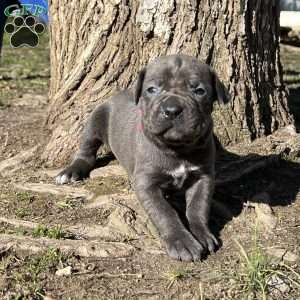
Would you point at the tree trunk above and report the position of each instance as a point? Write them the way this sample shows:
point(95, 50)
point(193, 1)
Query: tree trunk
point(97, 47)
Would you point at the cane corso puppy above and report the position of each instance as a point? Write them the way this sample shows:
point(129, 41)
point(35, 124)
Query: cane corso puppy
point(161, 132)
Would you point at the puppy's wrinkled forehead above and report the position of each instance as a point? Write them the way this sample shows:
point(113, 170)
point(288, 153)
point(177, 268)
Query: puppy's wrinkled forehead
point(176, 69)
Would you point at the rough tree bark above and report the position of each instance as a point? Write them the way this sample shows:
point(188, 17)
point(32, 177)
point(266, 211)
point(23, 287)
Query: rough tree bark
point(97, 47)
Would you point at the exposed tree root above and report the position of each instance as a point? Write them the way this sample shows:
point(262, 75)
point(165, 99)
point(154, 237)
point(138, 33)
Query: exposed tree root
point(106, 171)
point(78, 247)
point(16, 162)
point(66, 190)
point(112, 198)
point(19, 223)
point(107, 233)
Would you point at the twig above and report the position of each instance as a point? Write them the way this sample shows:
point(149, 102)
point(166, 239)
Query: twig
point(5, 142)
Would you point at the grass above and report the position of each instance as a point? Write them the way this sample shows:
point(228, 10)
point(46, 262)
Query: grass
point(49, 232)
point(290, 59)
point(47, 262)
point(176, 275)
point(23, 199)
point(22, 212)
point(256, 270)
point(28, 280)
point(69, 203)
point(40, 231)
point(23, 70)
point(24, 196)
point(290, 79)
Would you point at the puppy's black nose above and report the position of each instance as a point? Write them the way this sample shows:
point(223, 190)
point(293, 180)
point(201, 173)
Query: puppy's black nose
point(171, 109)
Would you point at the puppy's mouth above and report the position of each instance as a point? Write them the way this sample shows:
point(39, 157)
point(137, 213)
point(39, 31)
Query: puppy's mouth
point(178, 135)
point(174, 137)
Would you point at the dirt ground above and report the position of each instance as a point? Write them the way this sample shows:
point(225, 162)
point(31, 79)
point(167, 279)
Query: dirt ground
point(93, 241)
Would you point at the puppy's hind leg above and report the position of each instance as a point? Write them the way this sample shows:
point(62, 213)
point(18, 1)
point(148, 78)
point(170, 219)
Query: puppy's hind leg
point(94, 135)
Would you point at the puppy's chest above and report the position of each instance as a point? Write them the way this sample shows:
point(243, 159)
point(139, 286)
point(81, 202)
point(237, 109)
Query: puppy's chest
point(182, 176)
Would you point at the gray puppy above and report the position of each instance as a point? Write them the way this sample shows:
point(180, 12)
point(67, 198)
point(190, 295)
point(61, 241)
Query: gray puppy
point(161, 132)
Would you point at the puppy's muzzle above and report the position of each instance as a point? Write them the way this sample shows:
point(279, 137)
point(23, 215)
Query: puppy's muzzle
point(171, 108)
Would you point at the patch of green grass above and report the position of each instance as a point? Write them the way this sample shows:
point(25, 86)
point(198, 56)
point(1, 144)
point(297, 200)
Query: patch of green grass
point(28, 280)
point(69, 203)
point(27, 275)
point(49, 260)
point(22, 199)
point(24, 196)
point(290, 58)
point(256, 269)
point(49, 232)
point(24, 69)
point(22, 212)
point(176, 275)
point(291, 78)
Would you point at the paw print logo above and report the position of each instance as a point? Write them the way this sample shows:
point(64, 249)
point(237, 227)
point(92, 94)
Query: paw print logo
point(24, 31)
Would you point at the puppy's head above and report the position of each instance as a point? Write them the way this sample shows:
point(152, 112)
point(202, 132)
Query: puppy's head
point(176, 95)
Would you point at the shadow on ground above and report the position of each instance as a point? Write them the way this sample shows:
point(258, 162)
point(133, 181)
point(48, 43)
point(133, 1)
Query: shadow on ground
point(276, 176)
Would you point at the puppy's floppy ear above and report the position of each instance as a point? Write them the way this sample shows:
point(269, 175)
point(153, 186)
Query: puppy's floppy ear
point(138, 86)
point(220, 91)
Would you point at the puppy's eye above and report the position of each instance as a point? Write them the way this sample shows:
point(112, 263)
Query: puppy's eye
point(199, 91)
point(153, 90)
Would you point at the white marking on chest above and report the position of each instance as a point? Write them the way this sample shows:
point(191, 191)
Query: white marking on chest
point(182, 170)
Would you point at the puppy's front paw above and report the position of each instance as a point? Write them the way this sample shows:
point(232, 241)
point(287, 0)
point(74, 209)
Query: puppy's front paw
point(183, 246)
point(78, 170)
point(205, 237)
